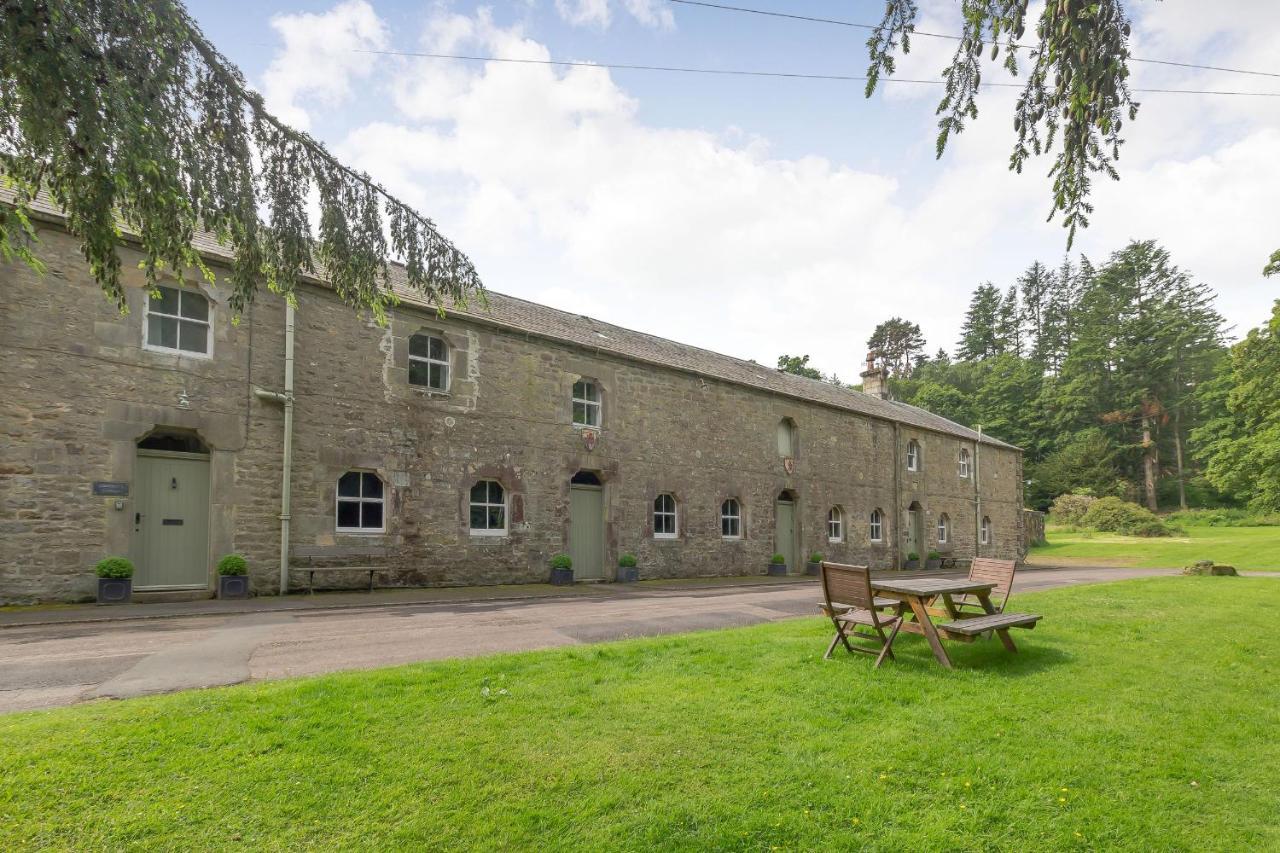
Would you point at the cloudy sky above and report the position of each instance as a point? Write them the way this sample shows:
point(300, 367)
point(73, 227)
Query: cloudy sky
point(749, 215)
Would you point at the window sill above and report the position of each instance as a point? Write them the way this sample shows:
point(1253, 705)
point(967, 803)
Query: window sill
point(488, 534)
point(178, 353)
point(430, 393)
point(666, 537)
point(356, 531)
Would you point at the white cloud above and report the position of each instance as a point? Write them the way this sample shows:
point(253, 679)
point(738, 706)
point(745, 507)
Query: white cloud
point(321, 58)
point(599, 13)
point(562, 194)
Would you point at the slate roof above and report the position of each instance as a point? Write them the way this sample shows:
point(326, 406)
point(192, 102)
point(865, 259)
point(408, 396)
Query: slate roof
point(524, 316)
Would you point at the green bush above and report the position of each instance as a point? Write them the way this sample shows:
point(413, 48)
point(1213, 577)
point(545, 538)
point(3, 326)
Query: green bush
point(233, 564)
point(1070, 509)
point(114, 567)
point(912, 556)
point(815, 557)
point(1114, 515)
point(935, 555)
point(778, 560)
point(562, 561)
point(627, 561)
point(1224, 517)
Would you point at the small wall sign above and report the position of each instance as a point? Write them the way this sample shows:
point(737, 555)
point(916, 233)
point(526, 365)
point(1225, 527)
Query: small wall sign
point(105, 487)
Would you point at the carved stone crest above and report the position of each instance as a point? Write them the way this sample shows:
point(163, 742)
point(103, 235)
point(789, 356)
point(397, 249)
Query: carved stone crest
point(789, 464)
point(589, 438)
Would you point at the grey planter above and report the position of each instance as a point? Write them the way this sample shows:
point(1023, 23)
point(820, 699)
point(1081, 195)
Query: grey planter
point(812, 569)
point(911, 564)
point(115, 590)
point(233, 586)
point(562, 577)
point(777, 569)
point(628, 574)
point(934, 563)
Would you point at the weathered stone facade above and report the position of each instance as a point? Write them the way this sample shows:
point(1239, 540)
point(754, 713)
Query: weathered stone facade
point(80, 390)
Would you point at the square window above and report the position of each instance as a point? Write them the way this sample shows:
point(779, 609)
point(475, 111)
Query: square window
point(349, 514)
point(162, 332)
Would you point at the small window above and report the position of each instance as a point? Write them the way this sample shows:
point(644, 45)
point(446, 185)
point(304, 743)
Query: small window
point(835, 525)
point(964, 462)
point(944, 529)
point(913, 455)
point(877, 525)
point(586, 403)
point(985, 531)
point(178, 321)
point(488, 509)
point(664, 517)
point(787, 438)
point(731, 519)
point(360, 503)
point(429, 362)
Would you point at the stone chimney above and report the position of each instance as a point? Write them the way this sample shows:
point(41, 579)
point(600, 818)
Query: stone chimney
point(874, 380)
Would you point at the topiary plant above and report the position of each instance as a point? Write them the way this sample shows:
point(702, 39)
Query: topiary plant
point(114, 567)
point(912, 555)
point(562, 561)
point(935, 555)
point(233, 564)
point(778, 560)
point(627, 561)
point(815, 557)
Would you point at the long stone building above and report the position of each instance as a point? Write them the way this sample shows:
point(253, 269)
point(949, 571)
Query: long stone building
point(464, 449)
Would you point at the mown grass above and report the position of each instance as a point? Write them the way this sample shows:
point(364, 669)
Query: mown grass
point(1242, 547)
point(1140, 715)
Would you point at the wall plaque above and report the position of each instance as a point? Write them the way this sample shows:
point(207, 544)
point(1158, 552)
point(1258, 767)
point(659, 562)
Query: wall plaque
point(102, 487)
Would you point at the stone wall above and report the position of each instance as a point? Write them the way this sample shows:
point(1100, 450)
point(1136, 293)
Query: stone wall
point(80, 390)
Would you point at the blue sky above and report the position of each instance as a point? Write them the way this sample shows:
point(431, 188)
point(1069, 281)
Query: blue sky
point(756, 216)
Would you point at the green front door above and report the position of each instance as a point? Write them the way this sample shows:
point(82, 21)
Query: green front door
point(915, 533)
point(785, 533)
point(586, 531)
point(171, 520)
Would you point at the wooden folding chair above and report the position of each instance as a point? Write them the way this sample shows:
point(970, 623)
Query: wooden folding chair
point(849, 604)
point(987, 570)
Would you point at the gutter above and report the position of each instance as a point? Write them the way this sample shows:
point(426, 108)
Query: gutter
point(286, 468)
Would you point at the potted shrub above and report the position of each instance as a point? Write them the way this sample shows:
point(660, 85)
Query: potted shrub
point(115, 580)
point(627, 569)
point(913, 561)
point(814, 565)
point(561, 569)
point(935, 560)
point(233, 577)
point(777, 565)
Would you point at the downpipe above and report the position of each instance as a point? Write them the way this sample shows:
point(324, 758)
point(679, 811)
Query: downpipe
point(286, 476)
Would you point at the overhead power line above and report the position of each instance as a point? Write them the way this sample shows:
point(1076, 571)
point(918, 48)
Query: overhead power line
point(738, 72)
point(768, 13)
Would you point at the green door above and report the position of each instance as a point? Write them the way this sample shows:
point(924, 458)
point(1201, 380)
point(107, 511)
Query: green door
point(785, 534)
point(171, 520)
point(915, 532)
point(586, 531)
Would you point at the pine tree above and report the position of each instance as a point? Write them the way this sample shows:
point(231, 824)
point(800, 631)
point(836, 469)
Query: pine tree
point(979, 336)
point(1036, 287)
point(1009, 328)
point(897, 345)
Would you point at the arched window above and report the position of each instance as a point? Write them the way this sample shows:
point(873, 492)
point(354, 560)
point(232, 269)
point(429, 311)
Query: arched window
point(360, 503)
point(664, 517)
point(944, 529)
point(985, 537)
point(488, 509)
point(963, 462)
point(429, 362)
point(177, 321)
point(787, 438)
point(877, 525)
point(835, 524)
point(586, 403)
point(913, 455)
point(731, 519)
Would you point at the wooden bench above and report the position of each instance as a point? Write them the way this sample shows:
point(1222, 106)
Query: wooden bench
point(967, 630)
point(334, 559)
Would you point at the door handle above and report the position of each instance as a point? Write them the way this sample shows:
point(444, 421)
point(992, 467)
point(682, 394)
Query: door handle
point(137, 522)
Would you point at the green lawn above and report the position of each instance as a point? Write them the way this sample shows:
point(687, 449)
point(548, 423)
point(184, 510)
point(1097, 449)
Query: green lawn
point(1139, 715)
point(1242, 547)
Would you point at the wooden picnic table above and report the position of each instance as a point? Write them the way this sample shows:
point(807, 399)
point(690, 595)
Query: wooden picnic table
point(918, 593)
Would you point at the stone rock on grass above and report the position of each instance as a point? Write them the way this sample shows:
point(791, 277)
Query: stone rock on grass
point(1208, 567)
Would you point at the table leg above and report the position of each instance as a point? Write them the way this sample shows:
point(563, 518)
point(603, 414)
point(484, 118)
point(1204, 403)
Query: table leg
point(929, 631)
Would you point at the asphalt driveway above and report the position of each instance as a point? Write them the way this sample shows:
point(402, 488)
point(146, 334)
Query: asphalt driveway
point(60, 663)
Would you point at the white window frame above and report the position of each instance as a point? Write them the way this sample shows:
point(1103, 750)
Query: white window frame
point(362, 500)
point(445, 363)
point(944, 529)
point(963, 460)
point(673, 514)
point(588, 405)
point(147, 313)
point(487, 504)
point(985, 531)
point(877, 525)
point(835, 519)
point(913, 455)
point(735, 515)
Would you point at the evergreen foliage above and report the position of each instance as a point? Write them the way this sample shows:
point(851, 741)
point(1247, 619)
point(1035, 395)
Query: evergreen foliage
point(897, 346)
point(126, 115)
